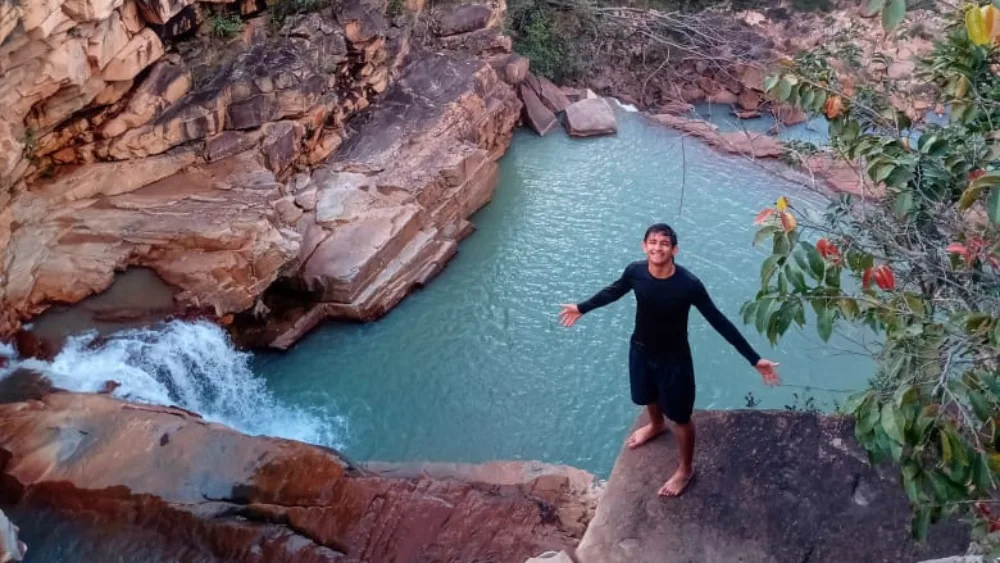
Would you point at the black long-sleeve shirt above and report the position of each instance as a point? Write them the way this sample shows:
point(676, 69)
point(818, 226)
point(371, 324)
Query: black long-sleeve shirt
point(661, 313)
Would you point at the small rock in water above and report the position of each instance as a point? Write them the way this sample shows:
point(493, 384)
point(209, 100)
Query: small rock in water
point(591, 117)
point(109, 387)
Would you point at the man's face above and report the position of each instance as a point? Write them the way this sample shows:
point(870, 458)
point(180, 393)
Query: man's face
point(658, 249)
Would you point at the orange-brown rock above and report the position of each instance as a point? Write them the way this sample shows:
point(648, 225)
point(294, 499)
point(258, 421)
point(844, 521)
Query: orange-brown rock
point(756, 145)
point(116, 468)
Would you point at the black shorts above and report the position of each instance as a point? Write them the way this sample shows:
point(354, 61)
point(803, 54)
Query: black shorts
point(666, 382)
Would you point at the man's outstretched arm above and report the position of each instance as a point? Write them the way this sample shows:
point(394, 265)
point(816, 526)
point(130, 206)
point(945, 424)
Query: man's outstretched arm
point(732, 335)
point(572, 312)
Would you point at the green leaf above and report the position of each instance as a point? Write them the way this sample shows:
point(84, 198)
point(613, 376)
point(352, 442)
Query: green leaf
point(910, 472)
point(824, 323)
point(945, 448)
point(958, 449)
point(764, 233)
point(855, 400)
point(771, 81)
point(868, 415)
point(782, 244)
point(903, 206)
point(980, 404)
point(993, 206)
point(994, 462)
point(749, 312)
point(764, 310)
point(767, 270)
point(921, 522)
point(849, 308)
point(893, 422)
point(880, 172)
point(893, 14)
point(906, 395)
point(795, 276)
point(783, 89)
point(816, 264)
point(981, 473)
point(833, 276)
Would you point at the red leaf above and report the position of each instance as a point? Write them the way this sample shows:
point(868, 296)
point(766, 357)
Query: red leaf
point(957, 248)
point(788, 222)
point(828, 250)
point(884, 278)
point(976, 174)
point(866, 278)
point(761, 217)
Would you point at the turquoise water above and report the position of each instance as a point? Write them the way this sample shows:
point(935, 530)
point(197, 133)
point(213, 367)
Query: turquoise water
point(476, 367)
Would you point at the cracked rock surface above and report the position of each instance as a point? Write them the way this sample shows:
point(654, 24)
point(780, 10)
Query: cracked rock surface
point(770, 487)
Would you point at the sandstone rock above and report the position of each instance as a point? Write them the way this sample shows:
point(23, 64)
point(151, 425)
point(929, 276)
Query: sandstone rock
point(756, 145)
point(676, 108)
point(130, 17)
point(167, 82)
point(141, 51)
point(188, 19)
point(788, 115)
point(229, 143)
point(484, 42)
point(281, 144)
point(34, 14)
point(393, 200)
point(160, 11)
point(63, 104)
point(536, 114)
point(512, 68)
point(90, 10)
point(463, 19)
point(252, 499)
point(751, 78)
point(750, 100)
point(722, 97)
point(113, 178)
point(109, 40)
point(10, 14)
point(548, 93)
point(771, 486)
point(590, 117)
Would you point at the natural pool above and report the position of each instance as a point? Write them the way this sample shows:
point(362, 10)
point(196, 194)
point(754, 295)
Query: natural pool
point(475, 366)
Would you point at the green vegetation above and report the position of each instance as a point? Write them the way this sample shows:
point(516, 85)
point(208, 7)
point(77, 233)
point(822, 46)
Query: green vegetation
point(553, 39)
point(225, 25)
point(279, 10)
point(919, 267)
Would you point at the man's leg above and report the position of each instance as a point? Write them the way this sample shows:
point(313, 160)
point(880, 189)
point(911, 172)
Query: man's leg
point(678, 405)
point(654, 428)
point(685, 445)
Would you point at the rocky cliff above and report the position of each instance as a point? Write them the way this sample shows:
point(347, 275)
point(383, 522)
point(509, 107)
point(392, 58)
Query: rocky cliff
point(132, 136)
point(123, 481)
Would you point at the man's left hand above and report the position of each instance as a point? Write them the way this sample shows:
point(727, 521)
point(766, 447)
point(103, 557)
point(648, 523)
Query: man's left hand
point(768, 372)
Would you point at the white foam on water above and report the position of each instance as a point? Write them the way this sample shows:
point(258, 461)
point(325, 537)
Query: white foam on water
point(192, 365)
point(627, 107)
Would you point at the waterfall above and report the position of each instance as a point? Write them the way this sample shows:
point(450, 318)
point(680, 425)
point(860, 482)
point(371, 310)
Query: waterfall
point(192, 365)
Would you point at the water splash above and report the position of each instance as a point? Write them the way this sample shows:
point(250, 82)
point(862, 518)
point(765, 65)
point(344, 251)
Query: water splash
point(192, 365)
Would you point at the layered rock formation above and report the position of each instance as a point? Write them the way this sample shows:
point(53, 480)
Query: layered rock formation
point(120, 470)
point(770, 487)
point(124, 146)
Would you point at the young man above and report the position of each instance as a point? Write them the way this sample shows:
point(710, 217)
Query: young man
point(661, 372)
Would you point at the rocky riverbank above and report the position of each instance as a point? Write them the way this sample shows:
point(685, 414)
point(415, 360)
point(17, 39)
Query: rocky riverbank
point(108, 470)
point(231, 166)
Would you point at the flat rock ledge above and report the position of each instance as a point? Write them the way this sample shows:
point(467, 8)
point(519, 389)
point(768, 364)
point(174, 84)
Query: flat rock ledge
point(771, 487)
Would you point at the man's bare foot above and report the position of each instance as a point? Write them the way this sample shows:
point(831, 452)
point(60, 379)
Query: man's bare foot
point(675, 486)
point(645, 434)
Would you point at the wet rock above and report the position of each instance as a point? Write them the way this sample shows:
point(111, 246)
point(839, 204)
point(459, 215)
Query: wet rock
point(258, 499)
point(539, 117)
point(771, 486)
point(548, 93)
point(590, 117)
point(756, 145)
point(463, 19)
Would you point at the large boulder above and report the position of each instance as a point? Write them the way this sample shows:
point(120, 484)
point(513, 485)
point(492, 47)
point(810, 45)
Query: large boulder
point(539, 117)
point(116, 471)
point(771, 487)
point(591, 117)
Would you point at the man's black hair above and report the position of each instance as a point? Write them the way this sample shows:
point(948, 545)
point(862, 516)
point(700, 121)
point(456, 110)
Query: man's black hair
point(662, 229)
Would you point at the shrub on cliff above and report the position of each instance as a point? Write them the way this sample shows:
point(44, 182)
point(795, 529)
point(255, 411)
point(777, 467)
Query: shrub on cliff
point(920, 266)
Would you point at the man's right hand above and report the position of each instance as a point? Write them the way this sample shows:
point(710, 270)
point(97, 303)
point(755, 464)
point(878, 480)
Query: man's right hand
point(569, 315)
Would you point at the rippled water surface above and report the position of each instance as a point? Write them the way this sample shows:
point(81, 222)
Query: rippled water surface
point(476, 367)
